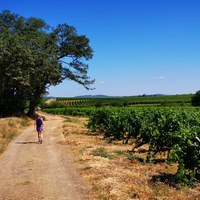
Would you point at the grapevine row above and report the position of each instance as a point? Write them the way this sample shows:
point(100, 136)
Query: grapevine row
point(120, 101)
point(170, 130)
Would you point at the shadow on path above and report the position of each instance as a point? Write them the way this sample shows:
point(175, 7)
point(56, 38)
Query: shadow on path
point(26, 142)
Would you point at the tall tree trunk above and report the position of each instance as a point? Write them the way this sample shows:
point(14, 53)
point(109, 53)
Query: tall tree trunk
point(34, 101)
point(32, 106)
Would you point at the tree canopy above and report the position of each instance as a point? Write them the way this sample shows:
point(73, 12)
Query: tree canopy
point(35, 56)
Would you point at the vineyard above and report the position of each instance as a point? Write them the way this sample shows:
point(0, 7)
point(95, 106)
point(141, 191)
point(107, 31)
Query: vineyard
point(119, 101)
point(171, 131)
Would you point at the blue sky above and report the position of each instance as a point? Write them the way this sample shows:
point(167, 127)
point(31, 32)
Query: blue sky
point(140, 46)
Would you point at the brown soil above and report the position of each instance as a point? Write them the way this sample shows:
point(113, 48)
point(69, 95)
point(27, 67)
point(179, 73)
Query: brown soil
point(31, 171)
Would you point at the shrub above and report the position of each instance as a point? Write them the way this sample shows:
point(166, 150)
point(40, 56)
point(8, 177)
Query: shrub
point(196, 99)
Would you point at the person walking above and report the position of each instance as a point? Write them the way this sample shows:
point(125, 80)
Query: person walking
point(39, 127)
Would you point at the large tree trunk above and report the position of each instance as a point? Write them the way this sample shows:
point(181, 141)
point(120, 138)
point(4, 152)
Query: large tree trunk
point(32, 107)
point(34, 101)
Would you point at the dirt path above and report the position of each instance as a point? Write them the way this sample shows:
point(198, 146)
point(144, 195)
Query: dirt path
point(40, 171)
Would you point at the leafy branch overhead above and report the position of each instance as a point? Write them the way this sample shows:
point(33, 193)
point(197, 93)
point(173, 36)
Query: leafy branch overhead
point(34, 56)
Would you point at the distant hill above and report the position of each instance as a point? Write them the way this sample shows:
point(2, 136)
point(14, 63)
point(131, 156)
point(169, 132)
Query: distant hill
point(50, 97)
point(152, 95)
point(106, 96)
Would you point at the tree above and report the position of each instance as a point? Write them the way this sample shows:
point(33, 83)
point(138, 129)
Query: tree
point(196, 99)
point(34, 56)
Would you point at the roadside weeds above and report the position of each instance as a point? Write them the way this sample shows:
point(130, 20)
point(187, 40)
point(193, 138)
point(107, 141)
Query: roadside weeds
point(10, 129)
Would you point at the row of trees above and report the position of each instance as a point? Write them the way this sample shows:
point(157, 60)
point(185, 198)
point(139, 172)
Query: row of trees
point(34, 56)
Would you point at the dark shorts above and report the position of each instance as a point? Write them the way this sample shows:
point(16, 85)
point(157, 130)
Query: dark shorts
point(40, 128)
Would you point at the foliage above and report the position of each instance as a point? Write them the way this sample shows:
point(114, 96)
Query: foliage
point(168, 100)
point(34, 56)
point(196, 99)
point(70, 111)
point(172, 130)
point(175, 131)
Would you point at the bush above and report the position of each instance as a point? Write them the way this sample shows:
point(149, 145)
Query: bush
point(196, 99)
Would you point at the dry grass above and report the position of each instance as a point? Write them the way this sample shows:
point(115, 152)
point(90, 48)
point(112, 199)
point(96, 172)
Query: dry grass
point(112, 173)
point(9, 129)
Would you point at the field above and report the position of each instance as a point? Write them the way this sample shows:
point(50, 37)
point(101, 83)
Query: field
point(172, 100)
point(143, 150)
point(110, 170)
point(85, 106)
point(165, 128)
